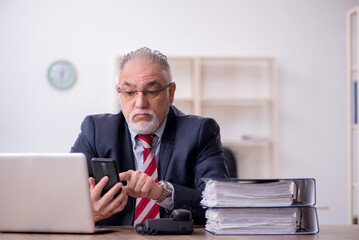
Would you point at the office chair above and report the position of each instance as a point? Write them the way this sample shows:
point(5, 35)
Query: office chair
point(231, 162)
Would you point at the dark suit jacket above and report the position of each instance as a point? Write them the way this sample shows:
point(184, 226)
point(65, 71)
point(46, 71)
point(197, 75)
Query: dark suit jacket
point(191, 149)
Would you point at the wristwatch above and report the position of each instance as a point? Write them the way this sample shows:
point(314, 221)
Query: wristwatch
point(167, 191)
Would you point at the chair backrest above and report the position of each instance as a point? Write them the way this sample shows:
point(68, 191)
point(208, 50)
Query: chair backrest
point(231, 162)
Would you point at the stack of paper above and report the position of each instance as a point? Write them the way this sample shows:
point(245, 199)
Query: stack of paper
point(234, 193)
point(267, 206)
point(249, 221)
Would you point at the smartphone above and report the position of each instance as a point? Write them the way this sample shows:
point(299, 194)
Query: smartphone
point(106, 167)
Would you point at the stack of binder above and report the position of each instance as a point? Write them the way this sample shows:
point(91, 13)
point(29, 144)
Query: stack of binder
point(263, 206)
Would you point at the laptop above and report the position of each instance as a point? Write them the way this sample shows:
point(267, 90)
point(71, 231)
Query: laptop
point(45, 193)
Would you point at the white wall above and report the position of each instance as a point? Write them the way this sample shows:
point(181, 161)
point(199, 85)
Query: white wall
point(308, 38)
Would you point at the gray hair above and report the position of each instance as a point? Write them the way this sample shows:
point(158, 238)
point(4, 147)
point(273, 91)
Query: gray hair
point(149, 56)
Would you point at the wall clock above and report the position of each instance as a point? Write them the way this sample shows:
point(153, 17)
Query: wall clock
point(61, 74)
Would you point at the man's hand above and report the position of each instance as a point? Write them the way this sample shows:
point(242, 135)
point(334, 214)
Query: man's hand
point(105, 206)
point(140, 185)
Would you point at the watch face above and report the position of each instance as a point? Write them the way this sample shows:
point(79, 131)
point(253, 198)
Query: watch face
point(61, 74)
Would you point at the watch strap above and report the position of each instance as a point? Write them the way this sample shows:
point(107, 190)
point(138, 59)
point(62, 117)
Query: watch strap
point(167, 191)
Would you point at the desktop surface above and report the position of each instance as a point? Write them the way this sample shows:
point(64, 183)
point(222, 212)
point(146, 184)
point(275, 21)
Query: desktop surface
point(329, 232)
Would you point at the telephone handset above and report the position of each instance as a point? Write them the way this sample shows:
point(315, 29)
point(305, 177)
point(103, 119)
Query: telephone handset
point(180, 222)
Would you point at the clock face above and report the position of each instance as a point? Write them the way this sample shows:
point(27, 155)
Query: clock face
point(61, 74)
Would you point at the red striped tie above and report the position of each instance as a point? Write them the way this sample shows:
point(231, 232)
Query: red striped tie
point(145, 207)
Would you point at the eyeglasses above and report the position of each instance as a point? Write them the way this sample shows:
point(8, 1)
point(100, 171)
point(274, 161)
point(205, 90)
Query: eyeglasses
point(151, 92)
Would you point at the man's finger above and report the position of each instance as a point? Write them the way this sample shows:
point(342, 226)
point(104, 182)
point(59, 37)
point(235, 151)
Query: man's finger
point(92, 183)
point(146, 189)
point(129, 192)
point(100, 185)
point(121, 206)
point(125, 176)
point(109, 203)
point(110, 194)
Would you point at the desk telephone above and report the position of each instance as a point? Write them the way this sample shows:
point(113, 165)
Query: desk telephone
point(180, 222)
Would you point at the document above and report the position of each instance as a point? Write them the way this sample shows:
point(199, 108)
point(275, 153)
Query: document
point(239, 193)
point(252, 221)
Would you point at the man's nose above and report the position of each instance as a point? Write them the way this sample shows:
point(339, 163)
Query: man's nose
point(141, 100)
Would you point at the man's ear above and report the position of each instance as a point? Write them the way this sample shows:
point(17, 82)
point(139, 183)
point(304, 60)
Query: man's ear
point(172, 90)
point(118, 91)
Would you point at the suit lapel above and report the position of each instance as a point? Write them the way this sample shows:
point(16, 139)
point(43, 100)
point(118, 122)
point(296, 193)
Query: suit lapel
point(126, 160)
point(167, 145)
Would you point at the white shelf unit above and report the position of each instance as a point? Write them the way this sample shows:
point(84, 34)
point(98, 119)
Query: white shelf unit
point(241, 95)
point(353, 129)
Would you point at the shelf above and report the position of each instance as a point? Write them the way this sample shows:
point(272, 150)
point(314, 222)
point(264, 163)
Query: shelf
point(236, 59)
point(183, 100)
point(240, 93)
point(246, 142)
point(237, 101)
point(322, 207)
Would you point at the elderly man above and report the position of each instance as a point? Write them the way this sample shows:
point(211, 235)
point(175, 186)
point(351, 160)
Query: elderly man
point(162, 154)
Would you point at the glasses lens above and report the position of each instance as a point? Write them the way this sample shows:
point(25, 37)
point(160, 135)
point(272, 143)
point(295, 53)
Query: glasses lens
point(152, 92)
point(128, 93)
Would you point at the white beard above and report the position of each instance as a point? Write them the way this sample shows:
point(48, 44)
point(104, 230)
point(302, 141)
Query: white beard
point(144, 127)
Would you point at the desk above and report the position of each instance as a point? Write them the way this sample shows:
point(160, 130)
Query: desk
point(333, 232)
